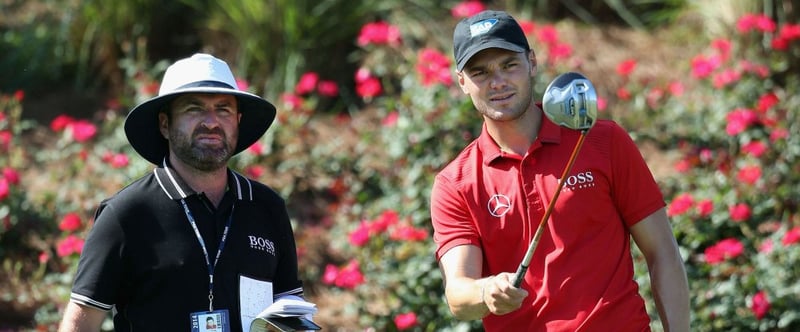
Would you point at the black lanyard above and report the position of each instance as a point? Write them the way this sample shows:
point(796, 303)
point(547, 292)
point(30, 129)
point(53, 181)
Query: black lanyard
point(210, 266)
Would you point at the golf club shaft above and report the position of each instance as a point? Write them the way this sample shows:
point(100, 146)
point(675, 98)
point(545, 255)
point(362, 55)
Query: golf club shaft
point(526, 261)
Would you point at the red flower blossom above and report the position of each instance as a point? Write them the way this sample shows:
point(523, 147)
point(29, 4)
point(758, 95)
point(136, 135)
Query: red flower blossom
point(292, 101)
point(754, 148)
point(256, 148)
point(527, 27)
point(766, 246)
point(254, 171)
point(467, 8)
point(82, 130)
point(702, 66)
point(19, 95)
point(723, 47)
point(328, 88)
point(625, 68)
point(750, 22)
point(60, 122)
point(349, 276)
point(705, 207)
point(623, 93)
point(547, 35)
point(307, 83)
point(11, 175)
point(70, 222)
point(5, 189)
point(786, 35)
point(791, 237)
point(119, 160)
point(680, 204)
point(739, 120)
point(44, 257)
point(369, 88)
point(408, 233)
point(676, 89)
point(405, 321)
point(760, 305)
point(559, 51)
point(723, 250)
point(330, 274)
point(379, 33)
point(360, 235)
point(725, 78)
point(739, 212)
point(391, 119)
point(434, 68)
point(242, 85)
point(766, 102)
point(778, 134)
point(69, 245)
point(749, 174)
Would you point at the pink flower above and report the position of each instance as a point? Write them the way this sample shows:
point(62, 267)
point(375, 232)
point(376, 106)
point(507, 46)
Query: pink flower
point(766, 246)
point(559, 51)
point(434, 68)
point(19, 95)
point(755, 148)
point(623, 93)
point(702, 66)
point(5, 189)
point(11, 175)
point(547, 35)
point(330, 274)
point(405, 321)
point(44, 257)
point(242, 85)
point(119, 160)
point(676, 89)
point(739, 120)
point(625, 68)
point(750, 22)
point(256, 148)
point(705, 207)
point(725, 78)
point(749, 174)
point(766, 102)
point(369, 88)
point(739, 212)
point(723, 47)
point(467, 8)
point(778, 134)
point(379, 33)
point(408, 233)
point(760, 305)
point(723, 250)
point(70, 222)
point(602, 104)
point(328, 88)
point(360, 235)
point(527, 27)
point(791, 237)
point(254, 171)
point(350, 276)
point(60, 122)
point(384, 221)
point(82, 130)
point(69, 245)
point(292, 101)
point(680, 204)
point(307, 83)
point(391, 119)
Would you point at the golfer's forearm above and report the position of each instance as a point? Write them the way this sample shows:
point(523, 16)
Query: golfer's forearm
point(464, 298)
point(671, 293)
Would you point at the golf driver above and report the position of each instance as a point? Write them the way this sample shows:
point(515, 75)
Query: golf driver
point(570, 100)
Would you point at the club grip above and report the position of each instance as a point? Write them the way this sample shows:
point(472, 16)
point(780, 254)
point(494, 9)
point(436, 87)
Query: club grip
point(520, 275)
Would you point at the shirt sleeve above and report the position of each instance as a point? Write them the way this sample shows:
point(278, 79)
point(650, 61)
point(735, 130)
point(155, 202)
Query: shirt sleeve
point(100, 264)
point(453, 224)
point(636, 193)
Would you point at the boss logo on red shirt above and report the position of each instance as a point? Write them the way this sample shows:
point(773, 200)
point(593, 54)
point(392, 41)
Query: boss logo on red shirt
point(579, 181)
point(499, 205)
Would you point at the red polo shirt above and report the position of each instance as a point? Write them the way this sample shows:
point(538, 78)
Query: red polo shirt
point(581, 275)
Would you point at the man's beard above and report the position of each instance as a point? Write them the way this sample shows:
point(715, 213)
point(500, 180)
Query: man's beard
point(200, 157)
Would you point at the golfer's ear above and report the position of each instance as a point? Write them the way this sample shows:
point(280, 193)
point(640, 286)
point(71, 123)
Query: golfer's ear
point(460, 78)
point(534, 64)
point(163, 124)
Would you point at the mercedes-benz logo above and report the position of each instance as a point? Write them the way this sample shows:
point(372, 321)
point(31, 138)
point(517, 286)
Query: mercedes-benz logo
point(499, 205)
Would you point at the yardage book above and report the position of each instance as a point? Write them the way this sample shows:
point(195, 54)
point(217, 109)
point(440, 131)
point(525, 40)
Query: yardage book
point(285, 315)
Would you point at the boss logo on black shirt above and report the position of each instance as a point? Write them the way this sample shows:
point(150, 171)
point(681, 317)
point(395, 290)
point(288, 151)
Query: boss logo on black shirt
point(260, 243)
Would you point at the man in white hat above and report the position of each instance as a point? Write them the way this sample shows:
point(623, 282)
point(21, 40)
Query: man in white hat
point(179, 243)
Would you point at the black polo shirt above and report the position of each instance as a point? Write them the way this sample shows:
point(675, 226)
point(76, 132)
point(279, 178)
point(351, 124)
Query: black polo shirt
point(143, 259)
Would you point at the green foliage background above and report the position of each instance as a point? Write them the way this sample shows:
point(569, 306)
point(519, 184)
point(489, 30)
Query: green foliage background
point(353, 168)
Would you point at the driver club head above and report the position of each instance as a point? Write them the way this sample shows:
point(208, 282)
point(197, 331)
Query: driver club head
point(570, 100)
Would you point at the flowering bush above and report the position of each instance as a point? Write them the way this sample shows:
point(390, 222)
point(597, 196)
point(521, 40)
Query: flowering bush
point(358, 188)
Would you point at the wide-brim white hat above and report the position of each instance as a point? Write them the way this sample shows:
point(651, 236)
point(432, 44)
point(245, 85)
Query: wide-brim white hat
point(201, 73)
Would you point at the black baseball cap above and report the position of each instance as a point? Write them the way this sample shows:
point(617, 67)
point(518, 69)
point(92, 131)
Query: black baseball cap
point(487, 29)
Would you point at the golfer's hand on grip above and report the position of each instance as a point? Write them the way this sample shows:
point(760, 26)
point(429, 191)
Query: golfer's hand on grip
point(500, 295)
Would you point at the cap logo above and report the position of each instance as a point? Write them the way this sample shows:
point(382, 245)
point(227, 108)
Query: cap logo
point(481, 27)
